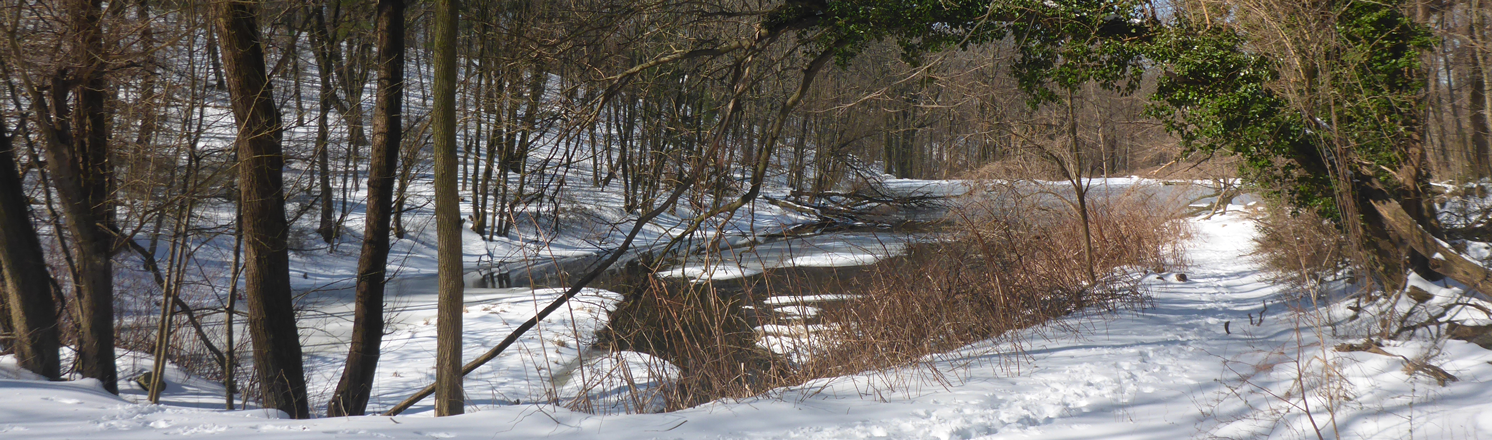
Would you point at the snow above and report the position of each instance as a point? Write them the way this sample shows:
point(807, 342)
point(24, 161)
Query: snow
point(1198, 363)
point(713, 272)
point(835, 260)
point(805, 299)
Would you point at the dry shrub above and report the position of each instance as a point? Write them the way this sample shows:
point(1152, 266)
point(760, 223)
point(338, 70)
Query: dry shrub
point(700, 331)
point(1015, 261)
point(1012, 262)
point(1018, 166)
point(1299, 247)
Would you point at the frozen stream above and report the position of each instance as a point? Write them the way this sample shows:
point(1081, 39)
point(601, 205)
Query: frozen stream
point(326, 323)
point(326, 320)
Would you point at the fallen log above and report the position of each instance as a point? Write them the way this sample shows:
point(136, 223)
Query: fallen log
point(1443, 259)
point(1411, 366)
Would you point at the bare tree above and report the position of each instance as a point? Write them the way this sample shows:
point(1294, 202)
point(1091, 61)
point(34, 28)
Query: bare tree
point(277, 351)
point(351, 396)
point(1479, 100)
point(325, 96)
point(76, 137)
point(27, 289)
point(448, 397)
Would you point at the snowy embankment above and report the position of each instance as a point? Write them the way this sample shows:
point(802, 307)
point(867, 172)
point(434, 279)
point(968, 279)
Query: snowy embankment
point(1198, 363)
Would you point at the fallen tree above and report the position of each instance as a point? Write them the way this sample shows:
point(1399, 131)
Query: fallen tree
point(1442, 258)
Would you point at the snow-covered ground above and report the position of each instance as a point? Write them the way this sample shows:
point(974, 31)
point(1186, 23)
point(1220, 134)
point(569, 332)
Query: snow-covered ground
point(1197, 364)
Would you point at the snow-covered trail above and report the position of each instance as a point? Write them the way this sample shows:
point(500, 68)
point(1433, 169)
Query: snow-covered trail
point(1169, 371)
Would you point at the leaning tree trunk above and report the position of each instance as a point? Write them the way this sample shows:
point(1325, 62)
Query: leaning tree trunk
point(351, 396)
point(28, 294)
point(276, 342)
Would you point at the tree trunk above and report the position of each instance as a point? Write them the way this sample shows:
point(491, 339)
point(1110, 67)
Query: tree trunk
point(327, 226)
point(7, 332)
point(214, 60)
point(1445, 260)
point(353, 390)
point(448, 395)
point(276, 341)
point(1416, 200)
point(171, 289)
point(326, 95)
point(230, 358)
point(1079, 186)
point(480, 205)
point(28, 292)
point(78, 156)
point(1481, 99)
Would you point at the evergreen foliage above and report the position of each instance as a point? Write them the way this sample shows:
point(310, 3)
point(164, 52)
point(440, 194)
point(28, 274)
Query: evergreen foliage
point(1221, 95)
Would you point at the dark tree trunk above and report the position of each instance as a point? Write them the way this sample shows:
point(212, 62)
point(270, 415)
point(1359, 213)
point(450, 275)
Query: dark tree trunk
point(277, 351)
point(78, 154)
point(1476, 103)
point(1079, 185)
point(1479, 99)
point(32, 313)
point(214, 60)
point(230, 358)
point(1415, 198)
point(351, 395)
point(6, 329)
point(327, 227)
point(480, 204)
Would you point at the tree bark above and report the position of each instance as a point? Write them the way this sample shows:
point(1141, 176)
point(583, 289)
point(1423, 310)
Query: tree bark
point(327, 226)
point(276, 341)
point(1445, 260)
point(78, 155)
point(1079, 186)
point(27, 290)
point(448, 396)
point(171, 290)
point(353, 390)
point(230, 360)
point(326, 94)
point(1481, 93)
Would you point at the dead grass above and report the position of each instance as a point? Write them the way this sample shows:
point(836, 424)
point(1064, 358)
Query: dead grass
point(1013, 262)
point(1299, 247)
point(1009, 265)
point(697, 329)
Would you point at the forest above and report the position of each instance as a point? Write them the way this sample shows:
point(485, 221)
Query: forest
point(335, 208)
